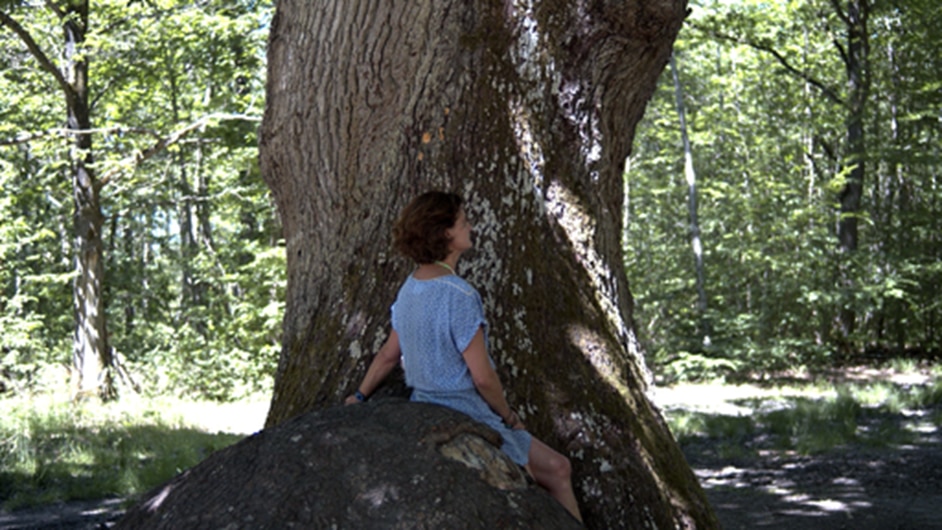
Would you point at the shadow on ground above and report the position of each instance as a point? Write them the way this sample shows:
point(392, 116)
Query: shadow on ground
point(74, 515)
point(892, 488)
point(800, 463)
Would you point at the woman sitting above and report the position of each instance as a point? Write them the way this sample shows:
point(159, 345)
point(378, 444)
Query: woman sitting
point(440, 336)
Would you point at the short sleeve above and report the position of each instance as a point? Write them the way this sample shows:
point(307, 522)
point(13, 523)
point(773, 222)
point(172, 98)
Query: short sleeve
point(392, 315)
point(467, 316)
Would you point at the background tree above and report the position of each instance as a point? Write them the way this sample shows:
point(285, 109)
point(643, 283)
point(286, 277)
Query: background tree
point(769, 96)
point(189, 239)
point(91, 355)
point(851, 44)
point(529, 112)
point(690, 176)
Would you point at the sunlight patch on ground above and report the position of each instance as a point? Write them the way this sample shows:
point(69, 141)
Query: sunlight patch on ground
point(721, 399)
point(921, 422)
point(909, 378)
point(851, 494)
point(246, 417)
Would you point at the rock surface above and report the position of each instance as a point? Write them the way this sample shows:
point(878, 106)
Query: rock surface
point(384, 464)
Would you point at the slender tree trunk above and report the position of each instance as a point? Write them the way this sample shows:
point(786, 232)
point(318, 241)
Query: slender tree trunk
point(204, 225)
point(92, 358)
point(898, 203)
point(857, 66)
point(691, 178)
point(91, 354)
point(528, 110)
point(134, 259)
point(188, 247)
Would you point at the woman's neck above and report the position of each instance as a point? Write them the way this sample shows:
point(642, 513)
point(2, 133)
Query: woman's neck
point(444, 267)
point(450, 262)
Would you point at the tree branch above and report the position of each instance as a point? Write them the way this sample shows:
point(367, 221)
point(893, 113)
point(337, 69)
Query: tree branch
point(34, 49)
point(102, 92)
point(828, 92)
point(842, 53)
point(55, 8)
point(840, 12)
point(165, 142)
point(26, 137)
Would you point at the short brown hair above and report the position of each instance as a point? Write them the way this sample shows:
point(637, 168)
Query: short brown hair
point(419, 233)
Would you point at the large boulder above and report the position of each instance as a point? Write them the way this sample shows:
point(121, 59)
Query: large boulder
point(384, 464)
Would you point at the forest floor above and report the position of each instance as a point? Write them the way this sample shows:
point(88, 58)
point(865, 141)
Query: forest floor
point(867, 486)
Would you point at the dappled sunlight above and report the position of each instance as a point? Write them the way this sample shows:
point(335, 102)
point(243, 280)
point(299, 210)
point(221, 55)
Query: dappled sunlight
point(729, 399)
point(814, 456)
point(593, 347)
point(243, 417)
point(921, 422)
point(580, 228)
point(844, 494)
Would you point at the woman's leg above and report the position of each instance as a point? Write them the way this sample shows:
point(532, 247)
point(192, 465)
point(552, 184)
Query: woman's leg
point(553, 471)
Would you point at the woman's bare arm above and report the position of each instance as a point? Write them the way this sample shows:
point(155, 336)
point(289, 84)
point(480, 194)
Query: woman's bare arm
point(486, 380)
point(386, 359)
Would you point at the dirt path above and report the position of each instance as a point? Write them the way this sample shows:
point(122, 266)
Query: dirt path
point(849, 488)
point(80, 515)
point(870, 486)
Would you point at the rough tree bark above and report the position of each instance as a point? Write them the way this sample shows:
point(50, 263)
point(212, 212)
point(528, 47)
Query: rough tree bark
point(856, 63)
point(528, 110)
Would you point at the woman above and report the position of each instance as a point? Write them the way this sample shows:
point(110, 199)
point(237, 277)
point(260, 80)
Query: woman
point(440, 335)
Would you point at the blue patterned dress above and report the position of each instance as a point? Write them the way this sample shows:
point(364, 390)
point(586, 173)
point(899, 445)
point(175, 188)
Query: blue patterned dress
point(436, 320)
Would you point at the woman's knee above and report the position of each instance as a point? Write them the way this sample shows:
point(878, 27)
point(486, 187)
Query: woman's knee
point(565, 467)
point(550, 464)
point(559, 467)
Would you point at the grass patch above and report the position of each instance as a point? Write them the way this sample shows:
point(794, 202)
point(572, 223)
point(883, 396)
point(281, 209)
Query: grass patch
point(815, 418)
point(813, 425)
point(730, 434)
point(53, 450)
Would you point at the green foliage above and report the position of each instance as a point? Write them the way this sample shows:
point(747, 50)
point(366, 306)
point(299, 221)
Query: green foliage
point(55, 451)
point(687, 366)
point(768, 140)
point(195, 274)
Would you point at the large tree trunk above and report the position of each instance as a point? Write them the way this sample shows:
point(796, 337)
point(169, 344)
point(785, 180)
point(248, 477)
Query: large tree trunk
point(527, 110)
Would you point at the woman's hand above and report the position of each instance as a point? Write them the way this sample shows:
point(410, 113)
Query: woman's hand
point(383, 363)
point(513, 421)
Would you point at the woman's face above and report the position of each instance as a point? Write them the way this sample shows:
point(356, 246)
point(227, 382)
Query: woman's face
point(460, 234)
